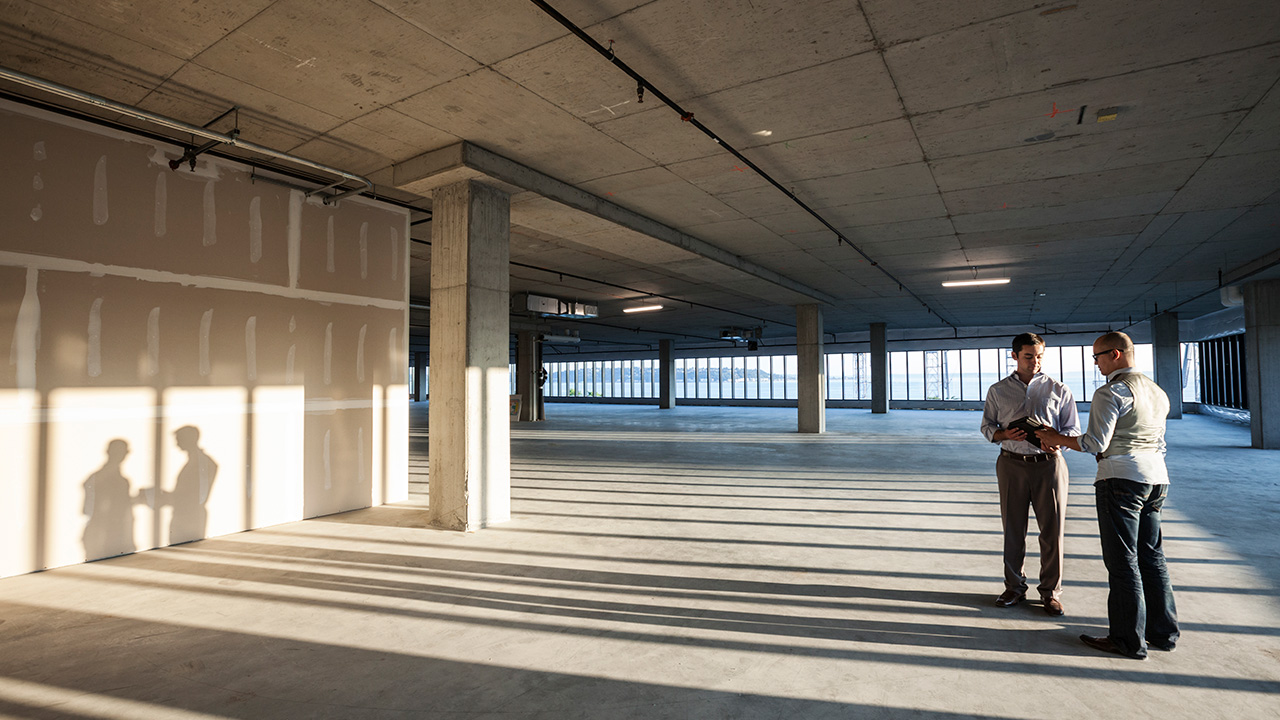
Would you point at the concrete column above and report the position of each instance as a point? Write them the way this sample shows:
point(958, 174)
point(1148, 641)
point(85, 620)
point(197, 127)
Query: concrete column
point(879, 369)
point(811, 385)
point(542, 396)
point(1168, 358)
point(420, 360)
point(1262, 361)
point(666, 374)
point(527, 375)
point(469, 443)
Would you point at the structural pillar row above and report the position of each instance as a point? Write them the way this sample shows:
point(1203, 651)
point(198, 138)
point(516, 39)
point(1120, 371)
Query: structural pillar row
point(1168, 360)
point(879, 368)
point(811, 397)
point(1262, 361)
point(666, 374)
point(420, 360)
point(469, 438)
point(528, 385)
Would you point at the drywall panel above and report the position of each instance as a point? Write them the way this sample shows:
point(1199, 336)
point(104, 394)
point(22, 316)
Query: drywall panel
point(354, 249)
point(110, 199)
point(161, 389)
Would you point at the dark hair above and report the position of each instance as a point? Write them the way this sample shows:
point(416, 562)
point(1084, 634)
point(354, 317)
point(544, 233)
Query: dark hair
point(1026, 339)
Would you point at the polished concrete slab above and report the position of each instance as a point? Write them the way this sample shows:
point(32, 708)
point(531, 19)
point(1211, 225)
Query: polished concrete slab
point(685, 563)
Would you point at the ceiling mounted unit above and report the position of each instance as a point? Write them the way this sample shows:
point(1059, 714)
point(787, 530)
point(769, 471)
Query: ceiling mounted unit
point(561, 336)
point(741, 334)
point(552, 307)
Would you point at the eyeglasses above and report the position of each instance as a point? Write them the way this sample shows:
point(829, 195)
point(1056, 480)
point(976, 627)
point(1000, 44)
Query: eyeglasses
point(1104, 352)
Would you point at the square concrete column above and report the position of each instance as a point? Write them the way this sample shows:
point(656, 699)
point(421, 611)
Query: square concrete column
point(420, 376)
point(469, 439)
point(1168, 358)
point(1262, 361)
point(666, 374)
point(879, 369)
point(527, 367)
point(811, 385)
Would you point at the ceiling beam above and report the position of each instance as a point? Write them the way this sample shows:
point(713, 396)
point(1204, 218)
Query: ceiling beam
point(464, 160)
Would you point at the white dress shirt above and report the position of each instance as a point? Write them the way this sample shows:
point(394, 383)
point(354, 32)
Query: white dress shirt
point(1044, 399)
point(1110, 402)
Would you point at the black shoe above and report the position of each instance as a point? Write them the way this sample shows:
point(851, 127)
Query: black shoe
point(1167, 646)
point(1105, 645)
point(1009, 598)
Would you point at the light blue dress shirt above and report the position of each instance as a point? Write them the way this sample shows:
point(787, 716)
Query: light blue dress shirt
point(1044, 399)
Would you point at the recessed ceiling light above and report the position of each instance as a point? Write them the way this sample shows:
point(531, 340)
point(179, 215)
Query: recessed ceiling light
point(763, 133)
point(642, 308)
point(968, 283)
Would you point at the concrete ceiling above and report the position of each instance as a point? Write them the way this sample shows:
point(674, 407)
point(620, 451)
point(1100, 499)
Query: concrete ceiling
point(944, 138)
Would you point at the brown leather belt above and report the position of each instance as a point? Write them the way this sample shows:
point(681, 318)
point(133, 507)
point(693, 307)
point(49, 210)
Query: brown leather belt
point(1038, 457)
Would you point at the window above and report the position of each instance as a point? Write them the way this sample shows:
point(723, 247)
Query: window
point(792, 373)
point(1190, 372)
point(1222, 372)
point(1212, 373)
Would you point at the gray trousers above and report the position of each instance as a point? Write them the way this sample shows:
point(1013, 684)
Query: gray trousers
point(1041, 486)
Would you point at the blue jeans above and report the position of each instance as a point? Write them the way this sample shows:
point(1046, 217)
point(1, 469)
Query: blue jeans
point(1140, 605)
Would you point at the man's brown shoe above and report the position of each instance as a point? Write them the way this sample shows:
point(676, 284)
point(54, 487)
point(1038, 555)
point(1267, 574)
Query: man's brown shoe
point(1053, 607)
point(1009, 598)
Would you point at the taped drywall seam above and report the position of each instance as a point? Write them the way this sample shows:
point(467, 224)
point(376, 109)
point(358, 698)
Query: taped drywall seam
point(53, 264)
point(364, 251)
point(95, 338)
point(328, 354)
point(251, 347)
point(395, 254)
point(360, 354)
point(255, 229)
point(295, 234)
point(37, 184)
point(162, 205)
point(210, 216)
point(206, 323)
point(100, 213)
point(329, 257)
point(153, 342)
point(26, 336)
point(293, 352)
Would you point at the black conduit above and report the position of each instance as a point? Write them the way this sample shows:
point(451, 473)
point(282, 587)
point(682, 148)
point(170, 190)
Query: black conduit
point(642, 84)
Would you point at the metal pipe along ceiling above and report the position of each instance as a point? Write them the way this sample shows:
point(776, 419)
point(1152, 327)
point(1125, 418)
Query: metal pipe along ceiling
point(686, 116)
point(216, 137)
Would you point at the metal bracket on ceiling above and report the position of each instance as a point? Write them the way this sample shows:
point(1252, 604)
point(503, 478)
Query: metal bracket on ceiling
point(189, 155)
point(190, 152)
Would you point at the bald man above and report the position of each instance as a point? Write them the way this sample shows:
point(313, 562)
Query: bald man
point(1126, 433)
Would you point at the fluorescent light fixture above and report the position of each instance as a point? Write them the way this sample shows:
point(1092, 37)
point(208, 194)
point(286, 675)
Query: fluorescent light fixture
point(968, 283)
point(767, 133)
point(642, 308)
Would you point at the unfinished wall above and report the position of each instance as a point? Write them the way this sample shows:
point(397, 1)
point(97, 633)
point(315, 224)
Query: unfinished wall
point(189, 354)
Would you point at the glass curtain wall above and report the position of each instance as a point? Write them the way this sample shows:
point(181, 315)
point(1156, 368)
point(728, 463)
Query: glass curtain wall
point(914, 375)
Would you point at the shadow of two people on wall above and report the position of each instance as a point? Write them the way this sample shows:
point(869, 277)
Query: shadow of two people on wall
point(108, 502)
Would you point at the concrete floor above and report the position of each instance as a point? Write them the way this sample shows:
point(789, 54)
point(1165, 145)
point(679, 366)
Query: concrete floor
point(693, 563)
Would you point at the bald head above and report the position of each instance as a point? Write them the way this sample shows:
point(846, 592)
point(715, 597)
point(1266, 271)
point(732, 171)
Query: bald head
point(1115, 341)
point(1112, 352)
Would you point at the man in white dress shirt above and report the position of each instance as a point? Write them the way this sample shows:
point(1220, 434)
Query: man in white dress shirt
point(1028, 475)
point(1126, 433)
